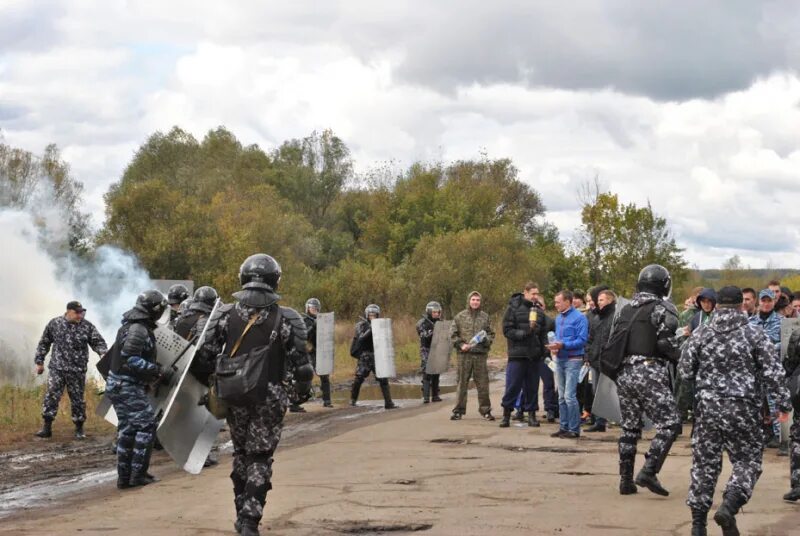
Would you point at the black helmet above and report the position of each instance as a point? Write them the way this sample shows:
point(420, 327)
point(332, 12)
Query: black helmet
point(372, 309)
point(260, 271)
point(431, 307)
point(655, 279)
point(206, 295)
point(177, 293)
point(151, 302)
point(313, 302)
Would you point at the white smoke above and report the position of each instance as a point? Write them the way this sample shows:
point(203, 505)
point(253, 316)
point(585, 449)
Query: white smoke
point(39, 276)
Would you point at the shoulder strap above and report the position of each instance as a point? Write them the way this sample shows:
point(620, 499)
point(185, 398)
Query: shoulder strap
point(241, 337)
point(275, 315)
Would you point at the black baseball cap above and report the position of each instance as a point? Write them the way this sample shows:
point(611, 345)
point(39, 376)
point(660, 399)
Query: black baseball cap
point(730, 296)
point(76, 306)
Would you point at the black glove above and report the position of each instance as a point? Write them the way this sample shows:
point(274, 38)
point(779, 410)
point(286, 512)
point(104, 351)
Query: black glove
point(165, 375)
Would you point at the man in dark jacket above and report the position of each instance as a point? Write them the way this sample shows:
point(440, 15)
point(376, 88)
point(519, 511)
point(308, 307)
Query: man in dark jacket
point(133, 369)
point(425, 327)
point(363, 349)
point(599, 329)
point(313, 308)
point(523, 325)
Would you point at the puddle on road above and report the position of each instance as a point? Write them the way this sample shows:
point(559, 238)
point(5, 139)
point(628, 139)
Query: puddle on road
point(400, 391)
point(39, 493)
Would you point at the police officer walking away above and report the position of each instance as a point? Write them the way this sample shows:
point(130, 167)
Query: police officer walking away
point(253, 322)
point(133, 370)
point(425, 326)
point(643, 382)
point(69, 336)
point(362, 348)
point(313, 307)
point(730, 362)
point(176, 295)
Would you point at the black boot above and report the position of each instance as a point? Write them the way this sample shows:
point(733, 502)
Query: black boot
point(519, 415)
point(699, 522)
point(793, 495)
point(551, 416)
point(596, 427)
point(626, 484)
point(426, 388)
point(387, 397)
point(326, 392)
point(435, 388)
point(79, 431)
point(296, 408)
point(354, 391)
point(506, 422)
point(249, 527)
point(532, 420)
point(47, 429)
point(647, 479)
point(725, 517)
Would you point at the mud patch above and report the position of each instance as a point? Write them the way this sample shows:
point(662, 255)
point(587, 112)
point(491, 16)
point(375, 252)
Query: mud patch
point(575, 473)
point(374, 527)
point(450, 441)
point(557, 450)
point(403, 482)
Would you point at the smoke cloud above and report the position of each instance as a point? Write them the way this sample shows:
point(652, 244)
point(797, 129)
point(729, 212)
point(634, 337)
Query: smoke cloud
point(40, 275)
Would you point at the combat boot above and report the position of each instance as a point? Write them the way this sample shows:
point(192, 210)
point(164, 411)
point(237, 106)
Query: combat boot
point(725, 517)
point(47, 429)
point(354, 392)
point(79, 431)
point(532, 420)
point(647, 476)
point(699, 519)
point(506, 422)
point(296, 408)
point(249, 527)
point(626, 484)
point(387, 397)
point(793, 495)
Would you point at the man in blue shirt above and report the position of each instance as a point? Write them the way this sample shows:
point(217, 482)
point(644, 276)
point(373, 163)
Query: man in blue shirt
point(572, 333)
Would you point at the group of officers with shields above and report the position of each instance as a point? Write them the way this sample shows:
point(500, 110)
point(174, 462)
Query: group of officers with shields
point(252, 360)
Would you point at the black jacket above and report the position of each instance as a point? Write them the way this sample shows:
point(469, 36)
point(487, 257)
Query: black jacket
point(524, 342)
point(599, 331)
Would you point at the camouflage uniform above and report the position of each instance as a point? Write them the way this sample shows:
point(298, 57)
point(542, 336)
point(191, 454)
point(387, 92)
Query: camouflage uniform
point(731, 364)
point(430, 382)
point(256, 430)
point(790, 364)
point(644, 387)
point(365, 353)
point(472, 363)
point(127, 386)
point(68, 363)
point(325, 379)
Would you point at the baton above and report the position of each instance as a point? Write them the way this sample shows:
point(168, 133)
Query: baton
point(180, 355)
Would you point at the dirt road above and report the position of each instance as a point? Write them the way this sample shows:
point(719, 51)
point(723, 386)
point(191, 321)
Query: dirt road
point(414, 470)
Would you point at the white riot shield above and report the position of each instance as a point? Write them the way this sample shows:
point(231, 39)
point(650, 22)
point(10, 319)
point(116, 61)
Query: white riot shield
point(105, 409)
point(439, 356)
point(324, 344)
point(383, 342)
point(187, 430)
point(606, 400)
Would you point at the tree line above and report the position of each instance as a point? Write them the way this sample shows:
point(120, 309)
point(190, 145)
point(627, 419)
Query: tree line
point(194, 209)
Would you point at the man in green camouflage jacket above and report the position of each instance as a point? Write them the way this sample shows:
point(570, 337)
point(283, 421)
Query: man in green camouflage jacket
point(472, 355)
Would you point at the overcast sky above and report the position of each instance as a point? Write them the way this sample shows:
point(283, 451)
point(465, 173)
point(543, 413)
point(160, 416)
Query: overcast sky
point(690, 105)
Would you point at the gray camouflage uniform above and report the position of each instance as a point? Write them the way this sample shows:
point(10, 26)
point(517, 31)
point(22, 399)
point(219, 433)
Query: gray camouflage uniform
point(69, 358)
point(644, 387)
point(732, 364)
point(256, 430)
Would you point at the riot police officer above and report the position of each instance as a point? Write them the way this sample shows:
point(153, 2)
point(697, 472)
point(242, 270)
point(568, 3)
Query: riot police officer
point(133, 369)
point(190, 325)
point(256, 321)
point(176, 295)
point(643, 383)
point(362, 348)
point(313, 307)
point(425, 326)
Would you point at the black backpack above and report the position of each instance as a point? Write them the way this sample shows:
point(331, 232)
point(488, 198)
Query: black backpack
point(614, 350)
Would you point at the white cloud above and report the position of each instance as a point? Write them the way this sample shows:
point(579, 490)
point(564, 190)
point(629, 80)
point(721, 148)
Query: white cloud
point(723, 170)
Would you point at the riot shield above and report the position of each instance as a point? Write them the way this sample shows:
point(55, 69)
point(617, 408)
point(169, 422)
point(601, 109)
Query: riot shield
point(788, 325)
point(383, 342)
point(324, 344)
point(606, 400)
point(187, 429)
point(439, 356)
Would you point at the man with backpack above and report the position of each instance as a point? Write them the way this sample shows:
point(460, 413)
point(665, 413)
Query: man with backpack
point(267, 343)
point(637, 354)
